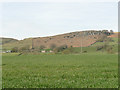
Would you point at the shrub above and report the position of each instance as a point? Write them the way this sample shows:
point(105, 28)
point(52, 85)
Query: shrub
point(84, 51)
point(24, 49)
point(108, 39)
point(42, 47)
point(59, 49)
point(52, 46)
point(109, 49)
point(68, 51)
point(111, 32)
point(15, 49)
point(102, 38)
point(99, 48)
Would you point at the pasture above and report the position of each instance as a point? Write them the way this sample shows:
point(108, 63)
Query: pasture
point(60, 71)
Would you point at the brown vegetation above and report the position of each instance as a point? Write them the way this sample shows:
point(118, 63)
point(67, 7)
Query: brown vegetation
point(75, 39)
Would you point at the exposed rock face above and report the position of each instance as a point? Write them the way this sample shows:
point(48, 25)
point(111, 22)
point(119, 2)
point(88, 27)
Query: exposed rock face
point(75, 39)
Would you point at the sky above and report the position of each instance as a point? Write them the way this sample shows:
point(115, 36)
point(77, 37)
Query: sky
point(21, 20)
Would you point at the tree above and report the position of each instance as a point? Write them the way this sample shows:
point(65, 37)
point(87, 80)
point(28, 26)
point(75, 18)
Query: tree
point(60, 48)
point(24, 49)
point(14, 49)
point(106, 46)
point(102, 38)
point(108, 39)
point(109, 49)
point(42, 47)
point(106, 32)
point(52, 46)
point(111, 32)
point(99, 48)
point(68, 50)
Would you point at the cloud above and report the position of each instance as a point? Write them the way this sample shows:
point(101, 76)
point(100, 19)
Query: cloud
point(22, 20)
point(71, 1)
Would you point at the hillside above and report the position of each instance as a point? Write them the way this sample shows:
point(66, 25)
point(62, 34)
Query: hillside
point(74, 39)
point(7, 40)
point(19, 44)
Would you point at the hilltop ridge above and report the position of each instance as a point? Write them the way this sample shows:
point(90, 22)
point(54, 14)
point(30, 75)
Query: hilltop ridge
point(74, 39)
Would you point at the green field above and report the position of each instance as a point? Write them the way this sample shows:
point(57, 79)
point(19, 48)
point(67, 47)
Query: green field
point(60, 71)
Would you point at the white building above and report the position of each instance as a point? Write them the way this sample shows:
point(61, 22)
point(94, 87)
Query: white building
point(51, 51)
point(43, 51)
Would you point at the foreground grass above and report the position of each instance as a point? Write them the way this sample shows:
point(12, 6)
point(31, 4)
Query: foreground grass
point(60, 71)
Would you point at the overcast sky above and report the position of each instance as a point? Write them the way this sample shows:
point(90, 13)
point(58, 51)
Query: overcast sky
point(23, 20)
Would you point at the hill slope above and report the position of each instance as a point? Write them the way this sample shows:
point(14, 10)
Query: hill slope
point(7, 40)
point(74, 39)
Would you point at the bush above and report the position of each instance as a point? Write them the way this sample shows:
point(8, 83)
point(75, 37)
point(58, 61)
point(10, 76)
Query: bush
point(52, 46)
point(102, 38)
point(104, 46)
point(42, 47)
point(84, 51)
point(108, 39)
point(68, 51)
point(109, 49)
point(59, 49)
point(99, 48)
point(24, 49)
point(111, 32)
point(15, 49)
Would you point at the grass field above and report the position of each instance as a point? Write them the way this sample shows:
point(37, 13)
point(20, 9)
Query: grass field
point(60, 71)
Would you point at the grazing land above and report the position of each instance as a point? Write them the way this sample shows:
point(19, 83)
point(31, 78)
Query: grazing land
point(74, 39)
point(74, 61)
point(60, 70)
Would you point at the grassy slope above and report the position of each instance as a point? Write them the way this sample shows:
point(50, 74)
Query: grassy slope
point(114, 44)
point(7, 40)
point(93, 48)
point(60, 71)
point(22, 43)
point(28, 42)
